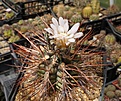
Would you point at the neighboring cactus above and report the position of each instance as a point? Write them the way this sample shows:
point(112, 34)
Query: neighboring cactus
point(9, 15)
point(119, 59)
point(105, 90)
point(114, 57)
point(86, 12)
point(67, 8)
point(110, 39)
point(110, 94)
point(20, 22)
point(65, 11)
point(60, 10)
point(15, 25)
point(14, 38)
point(76, 18)
point(24, 28)
point(80, 3)
point(118, 93)
point(118, 28)
point(112, 10)
point(93, 17)
point(73, 9)
point(119, 82)
point(95, 6)
point(8, 33)
point(55, 9)
point(111, 88)
point(68, 14)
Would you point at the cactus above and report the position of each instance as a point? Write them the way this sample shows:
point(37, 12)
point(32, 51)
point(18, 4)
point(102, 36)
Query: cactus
point(68, 14)
point(67, 8)
point(105, 90)
point(118, 28)
point(60, 10)
point(13, 38)
point(110, 94)
point(119, 61)
point(8, 33)
point(112, 10)
point(110, 39)
point(21, 22)
point(111, 88)
point(15, 25)
point(114, 57)
point(76, 18)
point(119, 82)
point(57, 75)
point(118, 93)
point(24, 28)
point(55, 9)
point(86, 12)
point(94, 17)
point(80, 3)
point(95, 6)
point(9, 15)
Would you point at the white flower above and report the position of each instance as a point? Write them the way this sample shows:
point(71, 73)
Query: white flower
point(61, 33)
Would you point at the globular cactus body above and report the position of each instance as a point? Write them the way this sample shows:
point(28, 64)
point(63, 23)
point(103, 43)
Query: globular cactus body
point(110, 94)
point(118, 93)
point(111, 87)
point(94, 17)
point(86, 12)
point(80, 3)
point(95, 6)
point(110, 39)
point(76, 18)
point(113, 10)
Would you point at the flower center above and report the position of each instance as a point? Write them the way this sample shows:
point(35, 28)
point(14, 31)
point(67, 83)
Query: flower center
point(61, 40)
point(63, 34)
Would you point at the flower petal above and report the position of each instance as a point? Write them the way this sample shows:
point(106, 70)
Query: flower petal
point(53, 26)
point(55, 22)
point(74, 28)
point(70, 36)
point(65, 21)
point(66, 27)
point(71, 40)
point(51, 37)
point(61, 21)
point(55, 32)
point(61, 29)
point(78, 35)
point(49, 30)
